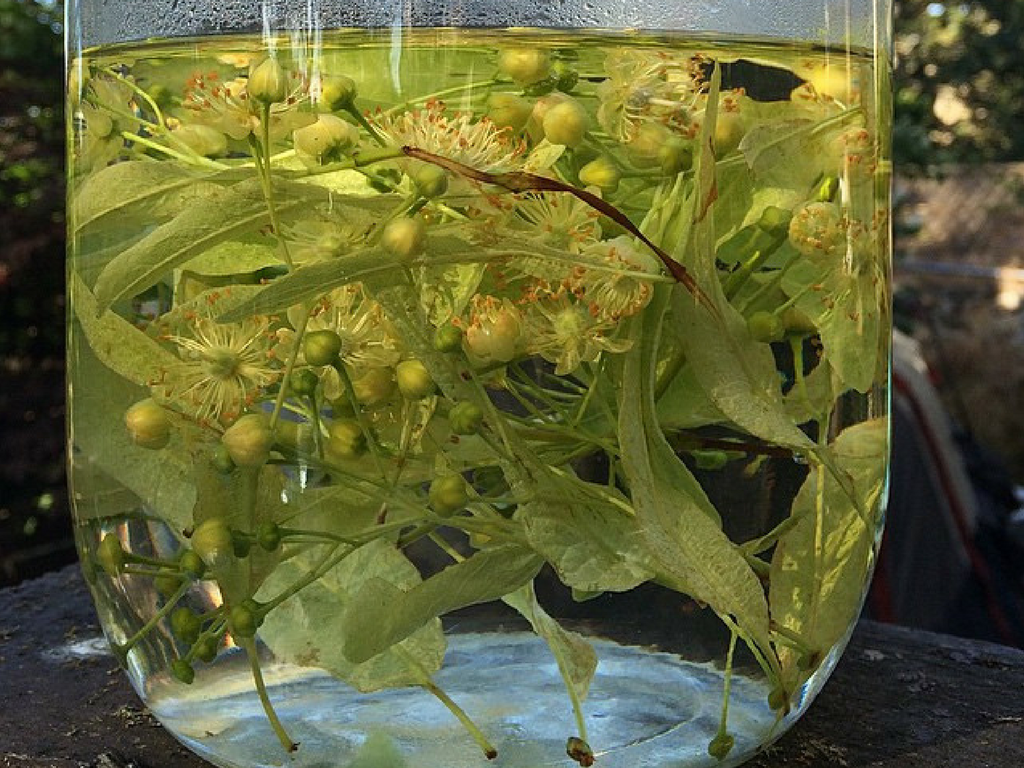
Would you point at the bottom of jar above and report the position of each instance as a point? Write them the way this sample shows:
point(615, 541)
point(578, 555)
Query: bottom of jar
point(645, 709)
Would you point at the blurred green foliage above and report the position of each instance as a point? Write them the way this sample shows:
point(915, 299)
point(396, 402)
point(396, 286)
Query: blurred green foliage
point(959, 82)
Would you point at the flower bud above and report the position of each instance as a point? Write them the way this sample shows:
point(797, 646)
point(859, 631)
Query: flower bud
point(448, 494)
point(192, 564)
point(405, 237)
point(243, 621)
point(186, 625)
point(269, 535)
point(494, 335)
point(430, 180)
point(303, 382)
point(248, 440)
point(566, 123)
point(374, 387)
point(321, 347)
point(675, 155)
point(601, 173)
point(337, 92)
point(183, 671)
point(202, 139)
point(220, 459)
point(345, 439)
point(524, 65)
point(645, 148)
point(212, 541)
point(448, 338)
point(465, 418)
point(206, 649)
point(414, 380)
point(268, 82)
point(111, 555)
point(148, 424)
point(565, 76)
point(508, 110)
point(328, 140)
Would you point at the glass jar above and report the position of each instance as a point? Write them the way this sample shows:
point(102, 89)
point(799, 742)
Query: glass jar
point(454, 381)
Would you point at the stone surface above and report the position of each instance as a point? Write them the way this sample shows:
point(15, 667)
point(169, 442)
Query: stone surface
point(899, 698)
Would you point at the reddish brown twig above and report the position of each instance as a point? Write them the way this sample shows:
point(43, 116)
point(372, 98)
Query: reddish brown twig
point(520, 181)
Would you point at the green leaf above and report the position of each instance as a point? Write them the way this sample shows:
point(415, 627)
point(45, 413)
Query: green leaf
point(576, 658)
point(381, 614)
point(685, 404)
point(593, 545)
point(682, 534)
point(846, 308)
point(307, 628)
point(235, 257)
point(111, 476)
point(118, 344)
point(819, 569)
point(777, 151)
point(233, 212)
point(106, 197)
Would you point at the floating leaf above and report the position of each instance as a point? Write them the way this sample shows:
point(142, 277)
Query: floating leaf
point(381, 614)
point(307, 628)
point(576, 658)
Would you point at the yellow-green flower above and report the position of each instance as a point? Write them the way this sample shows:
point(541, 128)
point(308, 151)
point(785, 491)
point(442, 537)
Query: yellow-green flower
point(613, 278)
point(223, 368)
point(564, 332)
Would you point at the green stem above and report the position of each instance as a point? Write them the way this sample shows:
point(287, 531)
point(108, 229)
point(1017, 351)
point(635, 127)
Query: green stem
point(122, 649)
point(727, 689)
point(261, 690)
point(282, 392)
point(190, 159)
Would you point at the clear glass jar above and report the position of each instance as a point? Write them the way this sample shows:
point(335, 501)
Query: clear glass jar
point(452, 381)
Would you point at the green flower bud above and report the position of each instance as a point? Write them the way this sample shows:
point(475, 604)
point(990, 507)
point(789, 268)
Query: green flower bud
point(192, 564)
point(206, 649)
point(345, 439)
point(465, 418)
point(565, 76)
point(183, 671)
point(405, 237)
point(566, 123)
point(212, 541)
point(111, 555)
point(269, 536)
point(448, 494)
point(167, 583)
point(337, 92)
point(249, 440)
point(414, 380)
point(430, 180)
point(775, 220)
point(328, 140)
point(148, 424)
point(675, 155)
point(186, 625)
point(268, 82)
point(321, 347)
point(524, 65)
point(448, 338)
point(375, 386)
point(721, 746)
point(241, 544)
point(509, 110)
point(645, 147)
point(220, 459)
point(729, 131)
point(766, 327)
point(601, 173)
point(303, 382)
point(202, 139)
point(244, 619)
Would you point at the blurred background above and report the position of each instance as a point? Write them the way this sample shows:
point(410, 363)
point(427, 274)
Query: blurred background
point(959, 378)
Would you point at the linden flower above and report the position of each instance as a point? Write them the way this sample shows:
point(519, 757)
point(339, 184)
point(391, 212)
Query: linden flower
point(480, 145)
point(100, 118)
point(645, 85)
point(226, 106)
point(614, 278)
point(562, 220)
point(367, 340)
point(563, 332)
point(223, 367)
point(326, 238)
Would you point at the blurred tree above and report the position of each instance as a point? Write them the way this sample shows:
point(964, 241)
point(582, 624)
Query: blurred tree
point(959, 82)
point(34, 525)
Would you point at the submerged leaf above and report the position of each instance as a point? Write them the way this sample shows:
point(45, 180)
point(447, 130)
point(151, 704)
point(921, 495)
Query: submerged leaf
point(381, 614)
point(306, 629)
